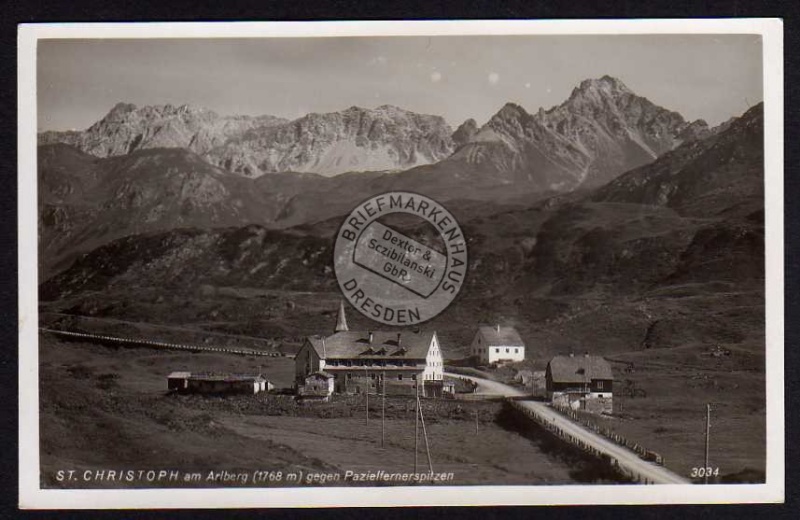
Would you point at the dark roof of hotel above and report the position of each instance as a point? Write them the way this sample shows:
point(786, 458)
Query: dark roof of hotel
point(579, 369)
point(356, 344)
point(503, 337)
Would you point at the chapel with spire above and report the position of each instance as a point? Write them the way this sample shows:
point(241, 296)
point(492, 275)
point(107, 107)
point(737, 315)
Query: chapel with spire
point(341, 319)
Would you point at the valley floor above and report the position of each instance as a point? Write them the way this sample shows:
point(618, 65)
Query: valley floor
point(107, 409)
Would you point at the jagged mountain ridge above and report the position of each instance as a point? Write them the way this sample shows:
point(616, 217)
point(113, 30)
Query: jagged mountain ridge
point(127, 128)
point(355, 139)
point(86, 201)
point(703, 176)
point(619, 233)
point(610, 267)
point(601, 131)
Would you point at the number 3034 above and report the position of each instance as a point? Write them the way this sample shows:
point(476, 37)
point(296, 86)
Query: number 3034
point(705, 472)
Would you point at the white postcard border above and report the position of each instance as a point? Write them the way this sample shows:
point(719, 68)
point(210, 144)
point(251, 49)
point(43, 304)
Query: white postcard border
point(30, 494)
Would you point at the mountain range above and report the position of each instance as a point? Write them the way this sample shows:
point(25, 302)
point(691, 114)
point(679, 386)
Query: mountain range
point(602, 130)
point(667, 254)
point(355, 139)
point(157, 168)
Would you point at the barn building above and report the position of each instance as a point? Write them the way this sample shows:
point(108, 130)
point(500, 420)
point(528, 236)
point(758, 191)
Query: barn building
point(369, 361)
point(580, 382)
point(495, 344)
point(209, 383)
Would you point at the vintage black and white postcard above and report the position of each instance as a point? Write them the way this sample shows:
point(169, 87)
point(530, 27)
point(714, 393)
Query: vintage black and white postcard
point(401, 263)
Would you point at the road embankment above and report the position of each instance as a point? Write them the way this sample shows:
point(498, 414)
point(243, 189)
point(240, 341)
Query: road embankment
point(622, 459)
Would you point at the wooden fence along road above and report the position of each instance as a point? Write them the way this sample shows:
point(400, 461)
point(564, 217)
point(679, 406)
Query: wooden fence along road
point(135, 342)
point(624, 459)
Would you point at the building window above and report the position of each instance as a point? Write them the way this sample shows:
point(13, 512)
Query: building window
point(399, 377)
point(497, 350)
point(507, 351)
point(516, 351)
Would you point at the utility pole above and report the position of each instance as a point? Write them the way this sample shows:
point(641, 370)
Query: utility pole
point(425, 436)
point(476, 421)
point(366, 392)
point(708, 432)
point(383, 409)
point(416, 425)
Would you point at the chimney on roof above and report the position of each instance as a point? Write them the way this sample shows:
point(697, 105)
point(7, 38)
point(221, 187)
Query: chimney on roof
point(370, 337)
point(497, 328)
point(341, 319)
point(571, 354)
point(398, 339)
point(586, 354)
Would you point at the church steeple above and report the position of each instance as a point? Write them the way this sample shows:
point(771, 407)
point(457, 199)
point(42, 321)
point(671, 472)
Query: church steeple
point(341, 319)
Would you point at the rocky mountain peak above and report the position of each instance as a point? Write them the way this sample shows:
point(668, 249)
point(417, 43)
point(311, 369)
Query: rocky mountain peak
point(127, 128)
point(510, 111)
point(391, 109)
point(465, 132)
point(120, 109)
point(605, 85)
point(603, 94)
point(599, 132)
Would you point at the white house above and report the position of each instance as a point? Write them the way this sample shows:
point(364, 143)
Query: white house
point(497, 344)
point(369, 361)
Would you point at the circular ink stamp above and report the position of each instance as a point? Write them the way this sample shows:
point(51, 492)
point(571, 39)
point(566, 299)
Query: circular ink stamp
point(400, 258)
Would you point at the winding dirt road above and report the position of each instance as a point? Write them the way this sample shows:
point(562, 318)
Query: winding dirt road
point(627, 459)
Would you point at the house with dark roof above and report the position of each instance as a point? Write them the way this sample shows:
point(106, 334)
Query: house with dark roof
point(497, 344)
point(212, 383)
point(580, 382)
point(369, 361)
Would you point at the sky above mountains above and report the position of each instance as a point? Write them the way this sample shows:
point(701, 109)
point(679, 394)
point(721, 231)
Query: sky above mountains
point(712, 77)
